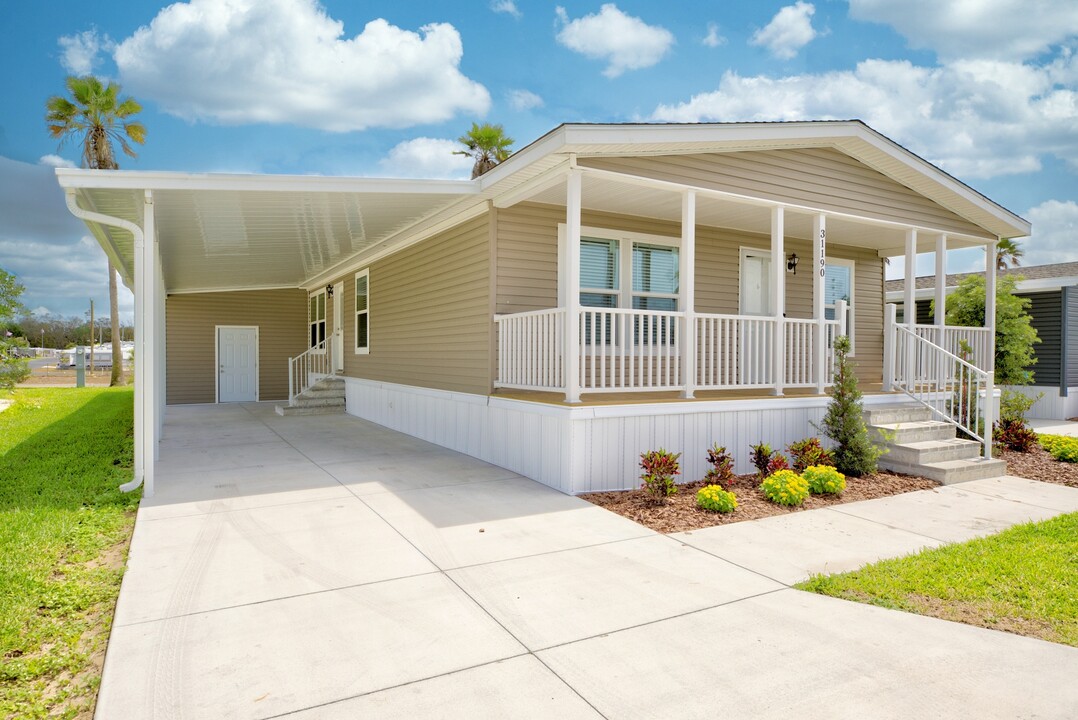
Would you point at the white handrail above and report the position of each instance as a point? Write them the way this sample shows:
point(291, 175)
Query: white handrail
point(316, 362)
point(954, 389)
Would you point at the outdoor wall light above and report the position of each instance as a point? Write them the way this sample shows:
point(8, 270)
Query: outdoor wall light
point(791, 263)
point(329, 291)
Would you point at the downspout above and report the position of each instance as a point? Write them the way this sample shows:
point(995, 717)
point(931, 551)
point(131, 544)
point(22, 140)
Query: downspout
point(136, 233)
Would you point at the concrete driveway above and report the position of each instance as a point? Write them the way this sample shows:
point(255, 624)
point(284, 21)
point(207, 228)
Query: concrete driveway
point(325, 567)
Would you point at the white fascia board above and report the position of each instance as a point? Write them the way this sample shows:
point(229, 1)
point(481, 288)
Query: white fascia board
point(142, 180)
point(1038, 285)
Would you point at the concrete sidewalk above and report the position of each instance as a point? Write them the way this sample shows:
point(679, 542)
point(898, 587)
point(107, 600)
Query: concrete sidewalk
point(325, 567)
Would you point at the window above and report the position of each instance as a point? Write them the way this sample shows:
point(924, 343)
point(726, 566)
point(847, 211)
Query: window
point(655, 277)
point(838, 285)
point(316, 317)
point(599, 273)
point(363, 301)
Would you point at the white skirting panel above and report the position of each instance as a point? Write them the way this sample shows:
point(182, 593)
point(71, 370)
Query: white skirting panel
point(1052, 405)
point(586, 449)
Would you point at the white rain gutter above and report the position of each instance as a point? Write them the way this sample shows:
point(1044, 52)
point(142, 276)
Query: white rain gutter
point(137, 234)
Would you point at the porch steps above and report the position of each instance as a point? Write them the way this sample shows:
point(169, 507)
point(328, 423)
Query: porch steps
point(919, 445)
point(324, 398)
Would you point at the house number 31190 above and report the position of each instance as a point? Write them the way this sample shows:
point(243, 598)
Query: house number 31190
point(823, 252)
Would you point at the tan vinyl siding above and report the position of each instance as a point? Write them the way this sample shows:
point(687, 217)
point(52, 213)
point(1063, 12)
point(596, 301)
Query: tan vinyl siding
point(817, 177)
point(527, 255)
point(191, 320)
point(430, 321)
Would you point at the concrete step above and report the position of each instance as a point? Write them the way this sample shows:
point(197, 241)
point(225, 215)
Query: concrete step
point(327, 401)
point(323, 392)
point(287, 410)
point(950, 472)
point(890, 414)
point(331, 383)
point(930, 451)
point(911, 432)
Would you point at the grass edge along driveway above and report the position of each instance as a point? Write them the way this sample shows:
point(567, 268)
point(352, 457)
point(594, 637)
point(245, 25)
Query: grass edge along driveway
point(1023, 580)
point(64, 532)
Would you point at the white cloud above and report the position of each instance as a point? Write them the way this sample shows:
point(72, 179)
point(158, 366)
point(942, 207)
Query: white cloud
point(287, 61)
point(976, 119)
point(1055, 233)
point(426, 157)
point(713, 39)
point(55, 161)
point(789, 31)
point(1004, 29)
point(81, 51)
point(523, 100)
point(506, 6)
point(46, 247)
point(623, 41)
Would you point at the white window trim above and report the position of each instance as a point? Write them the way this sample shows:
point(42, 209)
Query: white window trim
point(311, 321)
point(747, 252)
point(850, 309)
point(625, 238)
point(365, 273)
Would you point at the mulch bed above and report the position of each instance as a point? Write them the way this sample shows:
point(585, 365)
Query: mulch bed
point(1038, 464)
point(680, 512)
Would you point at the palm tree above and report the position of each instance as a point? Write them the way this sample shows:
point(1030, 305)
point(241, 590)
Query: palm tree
point(98, 116)
point(488, 144)
point(1008, 254)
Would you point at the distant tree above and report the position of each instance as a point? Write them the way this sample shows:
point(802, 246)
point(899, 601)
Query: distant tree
point(97, 116)
point(1015, 336)
point(13, 368)
point(1008, 253)
point(488, 144)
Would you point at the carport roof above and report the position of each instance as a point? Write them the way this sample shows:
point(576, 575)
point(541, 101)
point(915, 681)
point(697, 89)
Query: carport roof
point(219, 232)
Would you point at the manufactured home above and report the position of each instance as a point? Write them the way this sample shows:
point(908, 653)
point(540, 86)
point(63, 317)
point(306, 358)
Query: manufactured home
point(606, 290)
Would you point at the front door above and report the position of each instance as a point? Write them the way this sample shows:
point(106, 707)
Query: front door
point(338, 327)
point(754, 358)
point(755, 284)
point(237, 364)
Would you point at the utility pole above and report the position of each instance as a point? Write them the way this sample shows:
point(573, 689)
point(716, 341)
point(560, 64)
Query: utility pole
point(91, 336)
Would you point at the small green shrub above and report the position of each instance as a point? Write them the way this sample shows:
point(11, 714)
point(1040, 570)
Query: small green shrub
point(1063, 448)
point(722, 467)
point(785, 488)
point(761, 456)
point(824, 479)
point(808, 452)
point(1014, 405)
point(715, 499)
point(659, 467)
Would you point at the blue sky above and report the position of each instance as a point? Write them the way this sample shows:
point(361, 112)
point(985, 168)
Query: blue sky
point(986, 90)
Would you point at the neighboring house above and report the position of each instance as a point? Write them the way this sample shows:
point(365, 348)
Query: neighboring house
point(607, 290)
point(1053, 294)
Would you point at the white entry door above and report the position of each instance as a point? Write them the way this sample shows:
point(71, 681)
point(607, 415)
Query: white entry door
point(338, 327)
point(237, 364)
point(755, 284)
point(754, 344)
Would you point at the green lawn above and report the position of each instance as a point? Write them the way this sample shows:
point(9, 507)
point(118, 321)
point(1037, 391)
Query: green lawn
point(64, 529)
point(1023, 580)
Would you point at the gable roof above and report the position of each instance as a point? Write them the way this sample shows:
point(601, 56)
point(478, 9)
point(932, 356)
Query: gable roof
point(228, 231)
point(1050, 275)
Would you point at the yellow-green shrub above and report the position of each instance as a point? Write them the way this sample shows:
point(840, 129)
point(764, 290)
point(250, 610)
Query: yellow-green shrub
point(1062, 447)
point(824, 479)
point(715, 499)
point(785, 488)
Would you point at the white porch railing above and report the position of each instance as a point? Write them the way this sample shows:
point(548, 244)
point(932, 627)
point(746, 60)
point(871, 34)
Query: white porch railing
point(308, 367)
point(954, 389)
point(530, 350)
point(950, 338)
point(641, 350)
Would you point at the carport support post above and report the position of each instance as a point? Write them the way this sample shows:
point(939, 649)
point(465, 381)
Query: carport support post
point(941, 286)
point(145, 349)
point(909, 309)
point(571, 361)
point(778, 298)
point(819, 273)
point(687, 271)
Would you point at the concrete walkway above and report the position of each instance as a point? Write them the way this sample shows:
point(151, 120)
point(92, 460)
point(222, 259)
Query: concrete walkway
point(325, 567)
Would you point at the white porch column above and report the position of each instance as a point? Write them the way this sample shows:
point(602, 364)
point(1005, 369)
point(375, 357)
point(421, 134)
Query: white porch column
point(687, 289)
point(571, 362)
point(941, 284)
point(146, 348)
point(160, 367)
point(909, 308)
point(778, 296)
point(990, 302)
point(819, 273)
